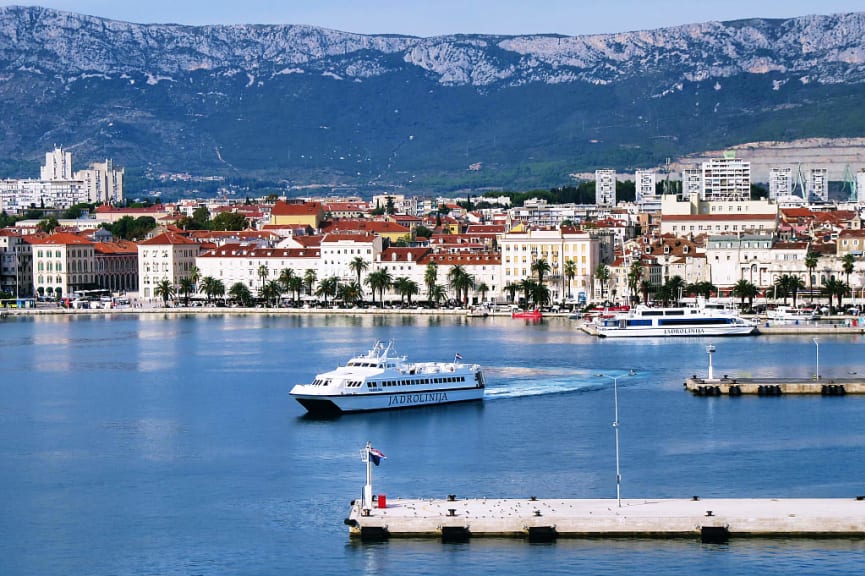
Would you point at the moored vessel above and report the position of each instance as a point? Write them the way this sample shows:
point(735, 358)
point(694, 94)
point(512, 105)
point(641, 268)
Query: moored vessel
point(380, 380)
point(699, 320)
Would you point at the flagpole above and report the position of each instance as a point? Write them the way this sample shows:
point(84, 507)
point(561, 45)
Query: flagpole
point(367, 489)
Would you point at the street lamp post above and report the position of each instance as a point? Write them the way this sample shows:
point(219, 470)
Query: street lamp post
point(817, 345)
point(615, 380)
point(710, 349)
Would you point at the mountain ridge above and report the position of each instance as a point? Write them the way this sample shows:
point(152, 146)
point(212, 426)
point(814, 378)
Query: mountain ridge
point(306, 104)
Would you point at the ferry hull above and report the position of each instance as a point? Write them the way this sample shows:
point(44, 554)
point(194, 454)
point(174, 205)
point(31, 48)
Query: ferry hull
point(694, 331)
point(340, 404)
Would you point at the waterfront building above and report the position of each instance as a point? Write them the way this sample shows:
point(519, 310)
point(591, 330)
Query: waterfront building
point(520, 249)
point(759, 259)
point(238, 262)
point(680, 256)
point(167, 256)
point(605, 188)
point(338, 250)
point(16, 263)
point(484, 268)
point(115, 265)
point(62, 263)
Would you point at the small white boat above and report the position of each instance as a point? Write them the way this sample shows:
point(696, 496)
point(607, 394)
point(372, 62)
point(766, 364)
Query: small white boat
point(701, 320)
point(791, 315)
point(381, 380)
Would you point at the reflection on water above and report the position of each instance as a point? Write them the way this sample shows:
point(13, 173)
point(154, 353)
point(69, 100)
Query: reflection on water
point(169, 444)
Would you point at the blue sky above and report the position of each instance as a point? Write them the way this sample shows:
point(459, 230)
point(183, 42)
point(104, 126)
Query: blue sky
point(436, 17)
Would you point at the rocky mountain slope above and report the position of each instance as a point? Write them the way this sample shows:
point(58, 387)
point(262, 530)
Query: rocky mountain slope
point(310, 105)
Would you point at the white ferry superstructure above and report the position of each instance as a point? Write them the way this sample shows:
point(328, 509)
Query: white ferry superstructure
point(381, 380)
point(688, 321)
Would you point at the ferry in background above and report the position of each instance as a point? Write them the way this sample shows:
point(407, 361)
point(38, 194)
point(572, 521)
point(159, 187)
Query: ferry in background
point(381, 380)
point(702, 320)
point(792, 315)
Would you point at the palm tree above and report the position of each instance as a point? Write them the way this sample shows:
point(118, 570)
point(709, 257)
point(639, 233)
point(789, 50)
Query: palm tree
point(570, 271)
point(430, 277)
point(285, 277)
point(782, 287)
point(646, 288)
point(482, 288)
point(676, 286)
point(195, 276)
point(208, 286)
point(745, 289)
point(461, 282)
point(635, 274)
point(380, 280)
point(187, 287)
point(541, 267)
point(529, 288)
point(811, 264)
point(358, 265)
point(437, 294)
point(704, 289)
point(540, 295)
point(834, 287)
point(511, 289)
point(241, 293)
point(262, 274)
point(309, 279)
point(405, 286)
point(795, 285)
point(350, 293)
point(271, 292)
point(327, 287)
point(602, 274)
point(664, 294)
point(164, 289)
point(848, 263)
point(295, 286)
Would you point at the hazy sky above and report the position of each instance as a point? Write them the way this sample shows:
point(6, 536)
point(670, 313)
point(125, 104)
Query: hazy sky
point(436, 17)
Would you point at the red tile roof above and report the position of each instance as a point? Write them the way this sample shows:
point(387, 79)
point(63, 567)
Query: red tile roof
point(167, 238)
point(306, 209)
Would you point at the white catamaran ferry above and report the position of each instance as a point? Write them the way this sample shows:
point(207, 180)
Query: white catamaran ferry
point(702, 320)
point(380, 380)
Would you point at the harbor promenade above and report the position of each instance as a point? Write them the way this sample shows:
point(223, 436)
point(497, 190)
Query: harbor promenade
point(548, 519)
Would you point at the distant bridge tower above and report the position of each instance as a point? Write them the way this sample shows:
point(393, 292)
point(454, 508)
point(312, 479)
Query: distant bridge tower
point(850, 184)
point(799, 183)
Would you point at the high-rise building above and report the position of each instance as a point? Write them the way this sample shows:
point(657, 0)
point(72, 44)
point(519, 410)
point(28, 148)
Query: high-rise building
point(692, 182)
point(780, 182)
point(102, 182)
point(58, 165)
point(646, 183)
point(605, 187)
point(727, 178)
point(818, 185)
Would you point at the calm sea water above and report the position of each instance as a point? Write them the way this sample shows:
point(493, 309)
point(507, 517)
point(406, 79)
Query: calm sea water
point(165, 445)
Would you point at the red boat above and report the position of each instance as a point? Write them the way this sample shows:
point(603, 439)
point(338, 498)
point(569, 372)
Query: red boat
point(527, 314)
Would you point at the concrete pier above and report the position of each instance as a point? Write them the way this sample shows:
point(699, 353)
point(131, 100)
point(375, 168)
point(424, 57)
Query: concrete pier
point(547, 519)
point(774, 386)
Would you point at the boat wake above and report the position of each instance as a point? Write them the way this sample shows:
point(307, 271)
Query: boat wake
point(516, 382)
